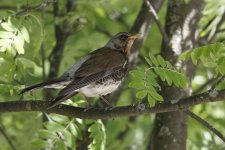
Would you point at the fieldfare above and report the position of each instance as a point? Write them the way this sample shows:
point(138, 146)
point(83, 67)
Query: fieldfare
point(97, 74)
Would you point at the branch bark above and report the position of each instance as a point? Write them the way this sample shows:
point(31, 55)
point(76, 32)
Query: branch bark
point(121, 111)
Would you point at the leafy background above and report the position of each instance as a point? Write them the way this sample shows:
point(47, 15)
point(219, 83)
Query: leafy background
point(26, 43)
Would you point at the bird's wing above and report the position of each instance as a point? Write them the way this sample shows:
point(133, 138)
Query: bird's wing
point(99, 65)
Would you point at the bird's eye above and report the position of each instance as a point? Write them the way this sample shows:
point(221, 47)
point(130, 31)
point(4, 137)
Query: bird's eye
point(123, 37)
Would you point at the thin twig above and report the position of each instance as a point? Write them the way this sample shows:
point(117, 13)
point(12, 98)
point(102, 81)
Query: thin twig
point(156, 18)
point(7, 138)
point(217, 82)
point(202, 87)
point(205, 123)
point(31, 9)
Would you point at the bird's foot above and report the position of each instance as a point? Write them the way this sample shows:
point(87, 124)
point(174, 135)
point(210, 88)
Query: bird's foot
point(105, 101)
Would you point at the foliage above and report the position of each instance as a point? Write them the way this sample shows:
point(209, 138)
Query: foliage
point(211, 56)
point(60, 133)
point(26, 43)
point(145, 79)
point(97, 131)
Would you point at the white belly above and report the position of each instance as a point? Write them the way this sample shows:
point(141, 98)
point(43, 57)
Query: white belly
point(93, 90)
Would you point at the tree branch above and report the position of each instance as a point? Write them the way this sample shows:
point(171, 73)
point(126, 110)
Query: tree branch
point(7, 138)
point(206, 124)
point(28, 10)
point(101, 113)
point(156, 19)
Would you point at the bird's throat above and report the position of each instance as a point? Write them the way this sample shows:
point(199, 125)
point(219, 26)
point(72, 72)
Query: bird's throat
point(127, 49)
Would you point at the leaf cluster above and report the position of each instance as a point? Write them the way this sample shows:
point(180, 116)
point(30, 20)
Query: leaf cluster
point(211, 56)
point(145, 79)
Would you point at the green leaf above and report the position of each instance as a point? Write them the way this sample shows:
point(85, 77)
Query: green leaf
point(40, 144)
point(137, 84)
point(152, 81)
point(97, 133)
point(151, 101)
point(54, 127)
point(6, 35)
point(5, 42)
point(168, 77)
point(138, 73)
point(161, 73)
point(148, 61)
point(61, 145)
point(161, 61)
point(141, 94)
point(25, 34)
point(8, 26)
point(185, 55)
point(153, 59)
point(73, 129)
point(60, 119)
point(221, 65)
point(18, 44)
point(156, 96)
point(195, 56)
point(46, 134)
point(68, 138)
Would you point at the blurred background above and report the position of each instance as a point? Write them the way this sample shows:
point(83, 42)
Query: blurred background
point(73, 28)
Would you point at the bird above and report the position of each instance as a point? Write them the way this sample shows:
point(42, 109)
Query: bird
point(97, 74)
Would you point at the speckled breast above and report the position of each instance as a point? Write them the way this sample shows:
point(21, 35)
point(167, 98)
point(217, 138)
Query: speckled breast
point(104, 86)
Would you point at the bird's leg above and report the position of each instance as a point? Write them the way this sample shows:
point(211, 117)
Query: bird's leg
point(109, 106)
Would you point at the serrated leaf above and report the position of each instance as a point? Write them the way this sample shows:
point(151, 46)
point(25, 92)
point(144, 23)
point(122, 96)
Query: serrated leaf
point(60, 119)
point(73, 129)
point(148, 61)
point(161, 61)
point(19, 43)
point(151, 101)
point(153, 59)
point(61, 145)
point(68, 138)
point(185, 55)
point(137, 84)
point(221, 65)
point(141, 94)
point(152, 81)
point(168, 77)
point(3, 48)
point(169, 65)
point(156, 96)
point(183, 82)
point(46, 134)
point(6, 35)
point(8, 26)
point(4, 42)
point(194, 57)
point(138, 73)
point(25, 34)
point(54, 127)
point(40, 144)
point(161, 73)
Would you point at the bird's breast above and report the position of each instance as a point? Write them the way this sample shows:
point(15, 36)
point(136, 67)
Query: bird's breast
point(97, 89)
point(104, 86)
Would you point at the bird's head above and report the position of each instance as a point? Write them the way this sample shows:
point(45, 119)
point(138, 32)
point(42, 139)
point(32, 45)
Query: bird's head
point(122, 41)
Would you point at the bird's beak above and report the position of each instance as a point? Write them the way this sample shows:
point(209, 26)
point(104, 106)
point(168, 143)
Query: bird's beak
point(134, 36)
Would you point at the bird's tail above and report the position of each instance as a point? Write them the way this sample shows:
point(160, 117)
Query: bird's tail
point(56, 83)
point(60, 99)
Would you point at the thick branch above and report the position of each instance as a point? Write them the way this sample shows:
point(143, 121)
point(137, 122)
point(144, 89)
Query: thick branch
point(101, 113)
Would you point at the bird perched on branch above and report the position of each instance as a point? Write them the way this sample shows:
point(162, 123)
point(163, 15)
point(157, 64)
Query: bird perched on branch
point(97, 74)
